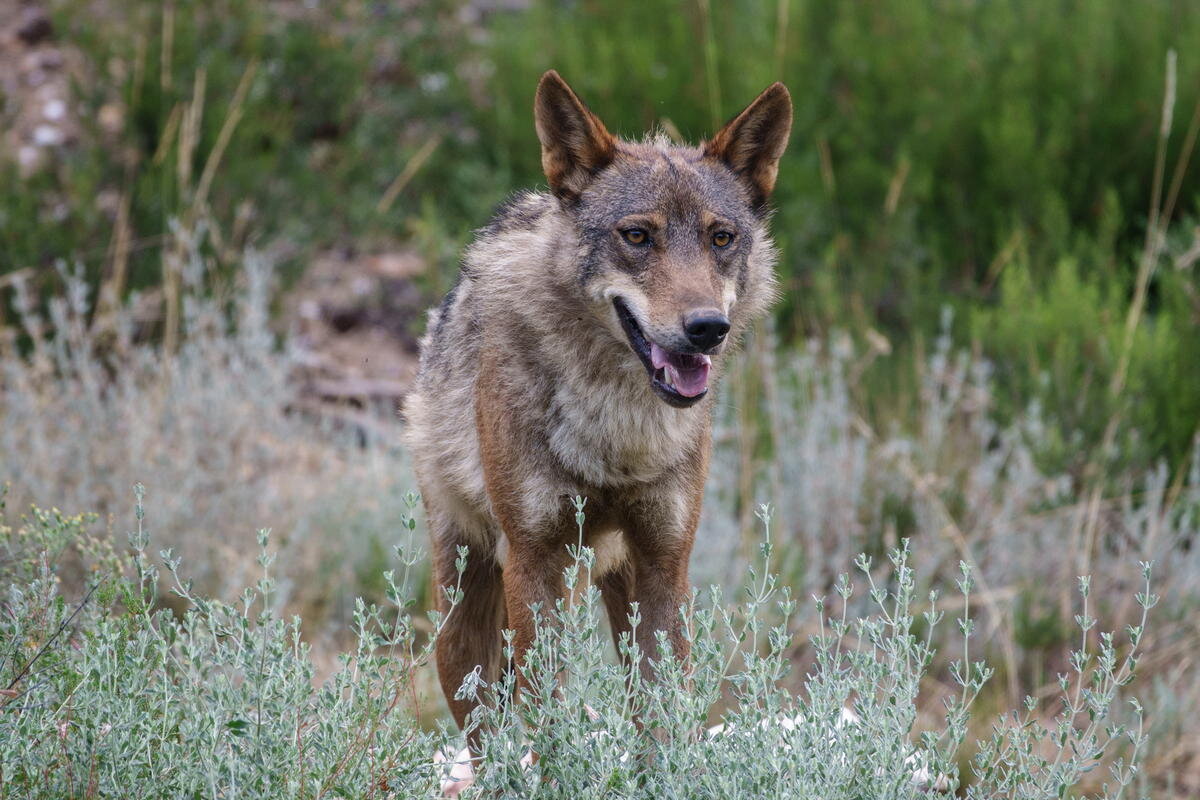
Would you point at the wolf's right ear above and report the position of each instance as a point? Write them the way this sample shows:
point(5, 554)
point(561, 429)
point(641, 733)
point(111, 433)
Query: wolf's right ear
point(575, 143)
point(752, 143)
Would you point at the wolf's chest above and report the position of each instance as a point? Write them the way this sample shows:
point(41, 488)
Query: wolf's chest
point(617, 438)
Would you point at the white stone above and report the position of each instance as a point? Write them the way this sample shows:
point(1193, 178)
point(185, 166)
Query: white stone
point(54, 110)
point(47, 136)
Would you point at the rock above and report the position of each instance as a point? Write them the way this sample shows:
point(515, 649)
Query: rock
point(111, 118)
point(54, 110)
point(37, 120)
point(353, 319)
point(47, 136)
point(34, 25)
point(30, 160)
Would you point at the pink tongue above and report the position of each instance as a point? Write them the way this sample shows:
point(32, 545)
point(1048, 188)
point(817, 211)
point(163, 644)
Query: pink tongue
point(687, 373)
point(691, 381)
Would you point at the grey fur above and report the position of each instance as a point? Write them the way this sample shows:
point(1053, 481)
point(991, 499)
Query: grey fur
point(529, 392)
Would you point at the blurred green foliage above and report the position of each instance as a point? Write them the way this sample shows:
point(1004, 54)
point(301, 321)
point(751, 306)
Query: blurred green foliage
point(994, 156)
point(1058, 337)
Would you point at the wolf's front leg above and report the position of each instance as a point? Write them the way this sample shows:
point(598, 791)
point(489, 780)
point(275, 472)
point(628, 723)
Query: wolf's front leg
point(661, 582)
point(527, 497)
point(659, 520)
point(533, 577)
point(470, 637)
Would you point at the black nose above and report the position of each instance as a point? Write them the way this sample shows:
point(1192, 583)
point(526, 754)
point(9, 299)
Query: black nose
point(706, 329)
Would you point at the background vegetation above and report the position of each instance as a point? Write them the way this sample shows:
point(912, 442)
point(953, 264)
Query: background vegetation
point(988, 339)
point(998, 157)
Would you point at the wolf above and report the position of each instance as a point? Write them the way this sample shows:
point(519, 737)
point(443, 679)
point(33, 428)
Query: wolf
point(576, 356)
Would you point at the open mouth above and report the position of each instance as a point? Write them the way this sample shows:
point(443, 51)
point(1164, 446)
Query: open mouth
point(681, 379)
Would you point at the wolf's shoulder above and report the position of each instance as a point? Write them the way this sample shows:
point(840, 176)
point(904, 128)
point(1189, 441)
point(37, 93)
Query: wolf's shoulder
point(495, 260)
point(521, 211)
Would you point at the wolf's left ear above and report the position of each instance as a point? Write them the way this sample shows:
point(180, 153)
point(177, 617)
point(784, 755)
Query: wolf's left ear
point(752, 143)
point(575, 143)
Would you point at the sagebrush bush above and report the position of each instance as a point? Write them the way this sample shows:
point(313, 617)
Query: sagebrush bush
point(964, 485)
point(111, 695)
point(212, 430)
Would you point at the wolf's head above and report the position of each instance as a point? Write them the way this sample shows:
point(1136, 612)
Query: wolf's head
point(674, 249)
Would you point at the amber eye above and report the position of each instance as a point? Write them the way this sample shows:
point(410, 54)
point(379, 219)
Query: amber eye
point(636, 235)
point(722, 238)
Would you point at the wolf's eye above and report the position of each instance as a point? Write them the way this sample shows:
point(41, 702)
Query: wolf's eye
point(722, 239)
point(636, 235)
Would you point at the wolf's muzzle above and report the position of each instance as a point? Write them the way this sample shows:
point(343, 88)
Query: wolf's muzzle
point(681, 379)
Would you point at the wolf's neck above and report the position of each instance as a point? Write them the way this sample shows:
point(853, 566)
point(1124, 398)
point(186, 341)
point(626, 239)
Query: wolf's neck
point(606, 426)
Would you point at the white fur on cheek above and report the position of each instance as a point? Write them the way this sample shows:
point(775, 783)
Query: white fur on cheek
point(729, 296)
point(623, 286)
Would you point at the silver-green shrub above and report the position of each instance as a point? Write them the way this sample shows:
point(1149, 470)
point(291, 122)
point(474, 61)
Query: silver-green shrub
point(116, 696)
point(599, 730)
point(112, 695)
point(93, 406)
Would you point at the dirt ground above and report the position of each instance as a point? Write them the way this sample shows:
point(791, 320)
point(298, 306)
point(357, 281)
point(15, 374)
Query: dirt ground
point(352, 319)
point(36, 69)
